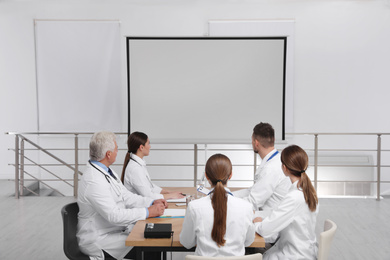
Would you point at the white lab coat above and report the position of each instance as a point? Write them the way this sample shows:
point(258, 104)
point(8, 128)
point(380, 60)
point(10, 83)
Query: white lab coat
point(108, 212)
point(137, 179)
point(269, 188)
point(198, 224)
point(296, 226)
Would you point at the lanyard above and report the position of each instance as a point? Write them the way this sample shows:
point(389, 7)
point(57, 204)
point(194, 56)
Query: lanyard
point(272, 156)
point(228, 192)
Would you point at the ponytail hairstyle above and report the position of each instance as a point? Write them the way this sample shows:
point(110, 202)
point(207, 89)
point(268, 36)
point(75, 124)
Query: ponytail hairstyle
point(135, 140)
point(218, 170)
point(296, 161)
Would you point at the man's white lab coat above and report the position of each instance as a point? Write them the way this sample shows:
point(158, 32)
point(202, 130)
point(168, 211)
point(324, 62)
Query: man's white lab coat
point(270, 185)
point(108, 212)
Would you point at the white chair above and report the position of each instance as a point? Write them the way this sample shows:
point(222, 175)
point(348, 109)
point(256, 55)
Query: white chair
point(257, 256)
point(326, 238)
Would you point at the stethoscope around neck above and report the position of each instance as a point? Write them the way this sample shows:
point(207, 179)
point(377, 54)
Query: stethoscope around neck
point(117, 190)
point(105, 175)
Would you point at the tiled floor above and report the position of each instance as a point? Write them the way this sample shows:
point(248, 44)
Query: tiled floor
point(31, 227)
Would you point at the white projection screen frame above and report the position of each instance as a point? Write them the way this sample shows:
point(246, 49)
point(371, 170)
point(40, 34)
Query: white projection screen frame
point(205, 89)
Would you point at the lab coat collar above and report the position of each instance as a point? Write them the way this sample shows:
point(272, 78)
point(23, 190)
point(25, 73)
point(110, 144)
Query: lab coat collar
point(138, 159)
point(227, 191)
point(294, 186)
point(265, 160)
point(105, 168)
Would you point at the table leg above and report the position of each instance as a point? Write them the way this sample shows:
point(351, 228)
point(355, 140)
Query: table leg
point(138, 253)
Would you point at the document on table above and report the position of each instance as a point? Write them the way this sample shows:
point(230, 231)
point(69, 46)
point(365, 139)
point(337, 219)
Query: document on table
point(173, 213)
point(177, 200)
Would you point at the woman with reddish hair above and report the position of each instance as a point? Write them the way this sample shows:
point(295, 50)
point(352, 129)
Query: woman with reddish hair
point(295, 217)
point(218, 224)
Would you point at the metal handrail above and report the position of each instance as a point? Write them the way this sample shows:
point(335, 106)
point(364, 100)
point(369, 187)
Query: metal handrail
point(19, 155)
point(202, 164)
point(379, 147)
point(319, 133)
point(40, 180)
point(50, 154)
point(41, 166)
point(19, 166)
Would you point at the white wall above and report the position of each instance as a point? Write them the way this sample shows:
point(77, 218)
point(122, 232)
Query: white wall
point(342, 54)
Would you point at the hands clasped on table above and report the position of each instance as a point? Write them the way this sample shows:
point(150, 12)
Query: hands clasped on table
point(158, 207)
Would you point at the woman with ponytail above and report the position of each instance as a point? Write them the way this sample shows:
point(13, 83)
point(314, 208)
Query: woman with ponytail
point(295, 217)
point(135, 176)
point(218, 224)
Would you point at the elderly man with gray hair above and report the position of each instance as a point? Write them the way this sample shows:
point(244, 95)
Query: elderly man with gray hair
point(108, 211)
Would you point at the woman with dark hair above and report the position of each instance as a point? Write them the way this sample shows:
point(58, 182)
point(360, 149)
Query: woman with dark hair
point(135, 176)
point(295, 217)
point(218, 224)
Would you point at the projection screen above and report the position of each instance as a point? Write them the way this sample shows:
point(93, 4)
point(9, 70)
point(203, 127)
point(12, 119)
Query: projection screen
point(206, 89)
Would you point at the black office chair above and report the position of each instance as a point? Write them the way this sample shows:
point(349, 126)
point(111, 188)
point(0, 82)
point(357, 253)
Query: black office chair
point(70, 220)
point(71, 246)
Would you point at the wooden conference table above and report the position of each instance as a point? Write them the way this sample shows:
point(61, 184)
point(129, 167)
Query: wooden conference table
point(141, 244)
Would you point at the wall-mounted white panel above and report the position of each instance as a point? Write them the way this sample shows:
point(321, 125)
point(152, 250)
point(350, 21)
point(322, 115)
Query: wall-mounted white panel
point(78, 75)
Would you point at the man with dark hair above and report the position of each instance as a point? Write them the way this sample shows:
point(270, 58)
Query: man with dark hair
point(270, 183)
point(265, 134)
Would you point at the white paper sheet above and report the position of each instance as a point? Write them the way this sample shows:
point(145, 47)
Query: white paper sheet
point(174, 213)
point(177, 200)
